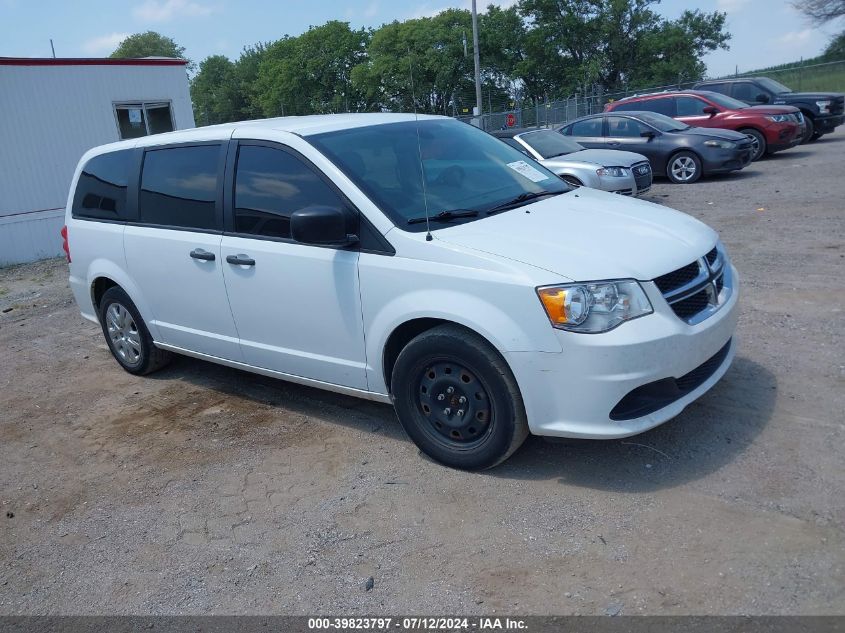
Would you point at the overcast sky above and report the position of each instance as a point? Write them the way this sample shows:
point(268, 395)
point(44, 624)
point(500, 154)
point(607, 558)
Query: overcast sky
point(765, 32)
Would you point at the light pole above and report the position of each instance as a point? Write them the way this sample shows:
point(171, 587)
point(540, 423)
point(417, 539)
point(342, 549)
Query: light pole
point(477, 61)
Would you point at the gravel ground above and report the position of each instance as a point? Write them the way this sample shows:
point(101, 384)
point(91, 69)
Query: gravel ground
point(202, 489)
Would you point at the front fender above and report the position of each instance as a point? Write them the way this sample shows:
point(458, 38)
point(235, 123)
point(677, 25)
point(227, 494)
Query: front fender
point(524, 326)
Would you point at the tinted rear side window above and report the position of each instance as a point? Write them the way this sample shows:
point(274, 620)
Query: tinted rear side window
point(101, 190)
point(590, 127)
point(179, 187)
point(270, 184)
point(663, 105)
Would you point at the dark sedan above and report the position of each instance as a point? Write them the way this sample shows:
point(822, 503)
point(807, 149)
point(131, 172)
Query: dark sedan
point(681, 152)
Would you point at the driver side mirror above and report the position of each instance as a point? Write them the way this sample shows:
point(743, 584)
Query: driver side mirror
point(762, 98)
point(321, 226)
point(711, 110)
point(647, 134)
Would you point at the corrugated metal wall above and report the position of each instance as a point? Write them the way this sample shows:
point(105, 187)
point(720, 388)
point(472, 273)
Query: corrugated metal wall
point(49, 117)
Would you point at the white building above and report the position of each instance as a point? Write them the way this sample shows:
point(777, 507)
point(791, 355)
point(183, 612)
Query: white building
point(51, 112)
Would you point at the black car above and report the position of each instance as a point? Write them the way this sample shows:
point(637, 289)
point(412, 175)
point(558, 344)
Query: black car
point(823, 111)
point(680, 152)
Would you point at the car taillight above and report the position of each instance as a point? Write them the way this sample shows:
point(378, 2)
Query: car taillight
point(65, 243)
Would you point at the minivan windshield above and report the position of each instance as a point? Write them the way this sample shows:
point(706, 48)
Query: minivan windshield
point(549, 144)
point(726, 101)
point(463, 173)
point(660, 121)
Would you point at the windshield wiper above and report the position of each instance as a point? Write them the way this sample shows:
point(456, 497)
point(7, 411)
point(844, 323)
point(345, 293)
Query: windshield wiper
point(520, 200)
point(445, 216)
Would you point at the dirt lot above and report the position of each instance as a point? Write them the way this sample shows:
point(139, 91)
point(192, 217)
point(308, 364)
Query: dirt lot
point(202, 489)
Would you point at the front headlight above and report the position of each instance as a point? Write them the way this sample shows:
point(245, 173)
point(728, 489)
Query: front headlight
point(615, 172)
point(594, 306)
point(778, 118)
point(823, 105)
point(720, 144)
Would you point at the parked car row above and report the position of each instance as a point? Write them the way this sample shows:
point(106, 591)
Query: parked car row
point(687, 134)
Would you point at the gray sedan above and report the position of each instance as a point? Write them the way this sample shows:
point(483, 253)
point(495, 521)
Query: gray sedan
point(626, 173)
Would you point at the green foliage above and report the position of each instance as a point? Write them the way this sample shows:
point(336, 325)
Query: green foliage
point(617, 43)
point(430, 50)
point(150, 44)
point(537, 49)
point(312, 73)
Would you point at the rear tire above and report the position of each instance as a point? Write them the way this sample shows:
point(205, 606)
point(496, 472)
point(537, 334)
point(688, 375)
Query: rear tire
point(683, 168)
point(457, 399)
point(127, 335)
point(758, 143)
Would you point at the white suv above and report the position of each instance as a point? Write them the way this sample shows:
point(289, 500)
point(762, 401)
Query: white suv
point(418, 262)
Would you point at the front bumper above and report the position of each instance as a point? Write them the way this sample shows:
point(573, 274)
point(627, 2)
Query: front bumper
point(719, 161)
point(572, 393)
point(781, 136)
point(825, 124)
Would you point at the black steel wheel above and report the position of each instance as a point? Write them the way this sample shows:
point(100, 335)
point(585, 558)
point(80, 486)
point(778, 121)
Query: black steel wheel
point(457, 399)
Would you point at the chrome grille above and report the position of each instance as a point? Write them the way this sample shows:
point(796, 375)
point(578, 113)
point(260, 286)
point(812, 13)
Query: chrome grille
point(697, 290)
point(642, 175)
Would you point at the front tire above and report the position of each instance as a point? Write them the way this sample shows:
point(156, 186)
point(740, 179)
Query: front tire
point(127, 335)
point(809, 130)
point(457, 399)
point(758, 143)
point(572, 181)
point(683, 168)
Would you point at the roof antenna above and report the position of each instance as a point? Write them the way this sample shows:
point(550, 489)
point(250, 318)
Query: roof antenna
point(428, 237)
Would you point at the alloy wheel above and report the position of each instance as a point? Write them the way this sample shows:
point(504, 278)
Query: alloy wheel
point(123, 334)
point(683, 168)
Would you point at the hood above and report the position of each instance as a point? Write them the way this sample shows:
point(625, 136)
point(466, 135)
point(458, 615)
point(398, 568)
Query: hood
point(717, 133)
point(587, 235)
point(773, 109)
point(601, 157)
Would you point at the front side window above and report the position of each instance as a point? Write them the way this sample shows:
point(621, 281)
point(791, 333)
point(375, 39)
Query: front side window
point(745, 91)
point(270, 184)
point(141, 119)
point(726, 101)
point(690, 106)
point(435, 166)
point(179, 187)
point(101, 189)
point(624, 127)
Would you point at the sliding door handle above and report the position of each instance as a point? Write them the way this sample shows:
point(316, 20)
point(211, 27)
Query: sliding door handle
point(198, 253)
point(240, 260)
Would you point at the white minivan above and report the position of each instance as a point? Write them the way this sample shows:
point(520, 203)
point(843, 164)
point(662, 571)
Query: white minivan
point(409, 260)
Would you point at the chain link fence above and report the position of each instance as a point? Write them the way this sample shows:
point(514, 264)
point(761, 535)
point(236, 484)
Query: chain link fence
point(502, 112)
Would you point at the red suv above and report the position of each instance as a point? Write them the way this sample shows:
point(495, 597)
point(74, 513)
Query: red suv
point(771, 128)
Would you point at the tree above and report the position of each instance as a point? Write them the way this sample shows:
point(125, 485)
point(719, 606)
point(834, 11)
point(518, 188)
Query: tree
point(429, 49)
point(312, 73)
point(150, 44)
point(214, 92)
point(836, 48)
point(616, 43)
point(821, 11)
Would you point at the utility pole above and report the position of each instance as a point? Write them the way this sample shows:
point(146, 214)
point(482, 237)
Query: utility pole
point(52, 48)
point(477, 60)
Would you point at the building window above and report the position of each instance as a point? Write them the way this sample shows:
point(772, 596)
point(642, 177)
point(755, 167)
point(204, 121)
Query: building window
point(141, 119)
